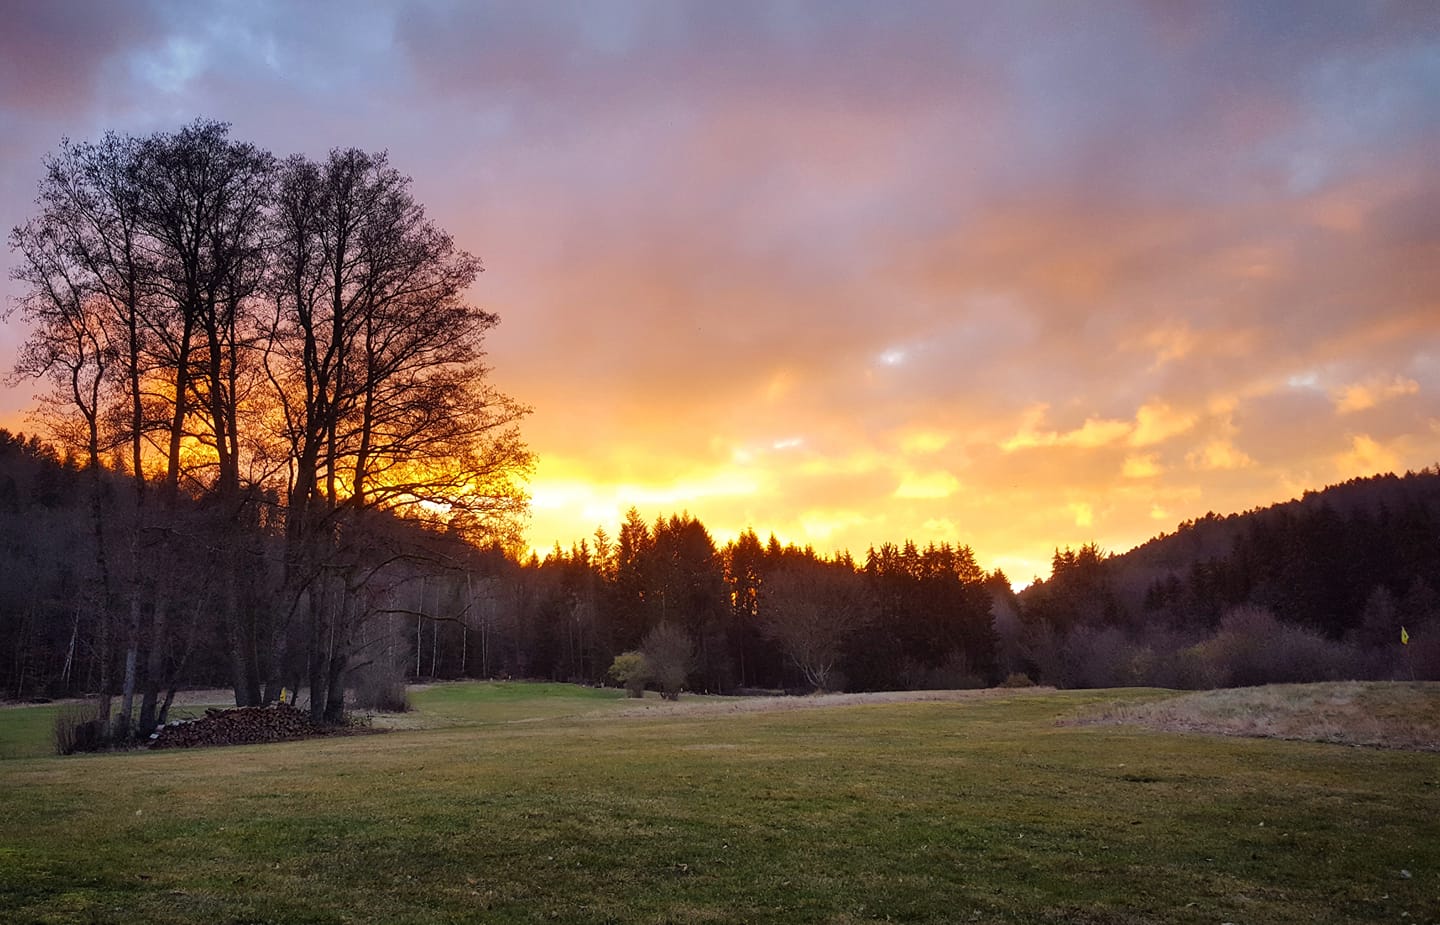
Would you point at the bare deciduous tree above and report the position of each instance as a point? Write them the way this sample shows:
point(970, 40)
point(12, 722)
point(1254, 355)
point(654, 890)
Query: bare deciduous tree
point(811, 609)
point(376, 359)
point(669, 653)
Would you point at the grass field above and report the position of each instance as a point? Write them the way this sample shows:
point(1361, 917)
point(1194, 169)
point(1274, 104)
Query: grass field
point(29, 732)
point(543, 803)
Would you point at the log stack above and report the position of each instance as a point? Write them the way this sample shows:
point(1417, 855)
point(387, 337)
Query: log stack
point(238, 726)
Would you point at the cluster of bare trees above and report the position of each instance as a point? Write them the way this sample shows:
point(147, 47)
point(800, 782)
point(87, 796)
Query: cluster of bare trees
point(279, 357)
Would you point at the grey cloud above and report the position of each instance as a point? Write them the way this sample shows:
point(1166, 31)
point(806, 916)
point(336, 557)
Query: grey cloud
point(54, 53)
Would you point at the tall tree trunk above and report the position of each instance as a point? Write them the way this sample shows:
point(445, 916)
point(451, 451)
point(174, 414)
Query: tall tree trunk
point(104, 655)
point(155, 673)
point(278, 677)
point(339, 660)
point(178, 415)
point(132, 657)
point(234, 634)
point(164, 715)
point(318, 660)
point(335, 703)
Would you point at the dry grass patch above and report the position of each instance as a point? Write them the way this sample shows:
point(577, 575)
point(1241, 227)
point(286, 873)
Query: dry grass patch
point(1375, 714)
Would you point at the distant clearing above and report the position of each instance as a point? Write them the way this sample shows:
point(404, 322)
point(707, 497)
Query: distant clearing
point(1379, 715)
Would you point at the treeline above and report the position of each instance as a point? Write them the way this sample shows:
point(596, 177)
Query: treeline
point(756, 614)
point(1316, 589)
point(759, 614)
point(752, 614)
point(266, 379)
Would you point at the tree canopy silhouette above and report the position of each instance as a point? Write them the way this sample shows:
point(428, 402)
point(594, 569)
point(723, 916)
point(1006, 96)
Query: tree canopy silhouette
point(283, 349)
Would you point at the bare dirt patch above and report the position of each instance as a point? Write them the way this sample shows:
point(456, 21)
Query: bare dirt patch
point(1373, 714)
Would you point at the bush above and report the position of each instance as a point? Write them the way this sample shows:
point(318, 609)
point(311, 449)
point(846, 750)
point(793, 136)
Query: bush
point(1017, 679)
point(78, 729)
point(670, 655)
point(381, 688)
point(953, 674)
point(631, 670)
point(1253, 647)
point(1099, 657)
point(1185, 669)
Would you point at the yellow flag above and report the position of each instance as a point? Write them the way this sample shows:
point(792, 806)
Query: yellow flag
point(1404, 637)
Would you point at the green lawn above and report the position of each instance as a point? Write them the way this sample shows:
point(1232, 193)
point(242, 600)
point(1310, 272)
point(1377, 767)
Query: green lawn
point(984, 811)
point(471, 702)
point(29, 732)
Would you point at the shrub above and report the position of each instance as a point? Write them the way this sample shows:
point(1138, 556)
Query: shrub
point(670, 655)
point(1041, 647)
point(387, 697)
point(953, 674)
point(631, 670)
point(1017, 679)
point(1099, 657)
point(78, 729)
point(381, 688)
point(1253, 647)
point(1184, 669)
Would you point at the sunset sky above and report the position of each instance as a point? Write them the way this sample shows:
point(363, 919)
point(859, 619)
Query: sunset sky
point(1011, 274)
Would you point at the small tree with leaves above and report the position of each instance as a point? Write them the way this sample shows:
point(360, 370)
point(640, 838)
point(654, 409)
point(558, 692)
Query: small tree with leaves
point(632, 670)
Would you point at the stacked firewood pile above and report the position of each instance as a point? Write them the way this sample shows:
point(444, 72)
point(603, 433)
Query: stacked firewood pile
point(238, 726)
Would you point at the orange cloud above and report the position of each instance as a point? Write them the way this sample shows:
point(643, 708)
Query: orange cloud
point(1142, 467)
point(1157, 422)
point(929, 485)
point(1083, 513)
point(1219, 455)
point(922, 442)
point(1095, 432)
point(1361, 396)
point(1366, 456)
point(1170, 343)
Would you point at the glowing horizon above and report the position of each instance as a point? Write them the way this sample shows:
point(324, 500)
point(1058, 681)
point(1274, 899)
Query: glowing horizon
point(1014, 276)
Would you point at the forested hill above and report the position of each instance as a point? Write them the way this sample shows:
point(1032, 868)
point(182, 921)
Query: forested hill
point(1312, 561)
point(1349, 564)
point(1377, 499)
